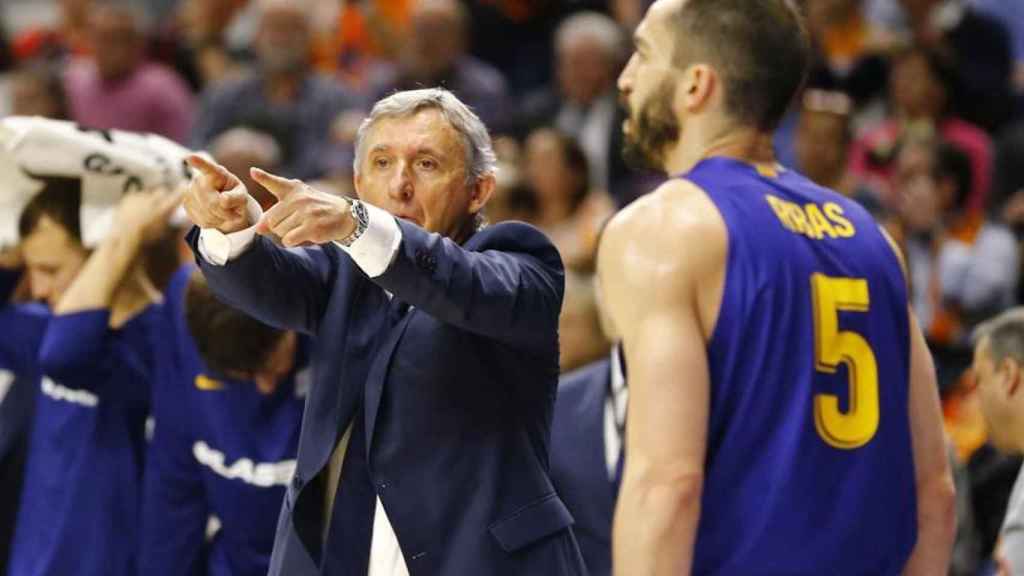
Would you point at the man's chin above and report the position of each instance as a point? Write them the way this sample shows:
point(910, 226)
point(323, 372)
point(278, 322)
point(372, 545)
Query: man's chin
point(638, 157)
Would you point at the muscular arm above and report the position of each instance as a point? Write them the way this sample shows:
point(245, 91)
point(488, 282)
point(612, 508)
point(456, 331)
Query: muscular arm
point(936, 498)
point(650, 273)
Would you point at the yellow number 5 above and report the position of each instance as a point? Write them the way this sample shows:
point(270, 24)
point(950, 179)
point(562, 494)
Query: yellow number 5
point(857, 426)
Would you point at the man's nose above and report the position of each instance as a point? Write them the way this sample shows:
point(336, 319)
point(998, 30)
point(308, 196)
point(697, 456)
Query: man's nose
point(401, 187)
point(41, 288)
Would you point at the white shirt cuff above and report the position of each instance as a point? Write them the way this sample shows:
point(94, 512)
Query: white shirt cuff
point(219, 248)
point(375, 249)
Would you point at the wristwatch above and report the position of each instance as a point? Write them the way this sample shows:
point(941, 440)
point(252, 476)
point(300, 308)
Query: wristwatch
point(361, 218)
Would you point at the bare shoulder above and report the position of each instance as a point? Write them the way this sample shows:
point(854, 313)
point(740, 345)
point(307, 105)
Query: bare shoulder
point(677, 225)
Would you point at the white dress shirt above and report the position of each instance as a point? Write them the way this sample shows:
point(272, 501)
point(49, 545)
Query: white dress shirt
point(373, 252)
point(614, 413)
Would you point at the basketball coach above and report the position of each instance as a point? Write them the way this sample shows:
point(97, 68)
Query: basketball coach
point(436, 358)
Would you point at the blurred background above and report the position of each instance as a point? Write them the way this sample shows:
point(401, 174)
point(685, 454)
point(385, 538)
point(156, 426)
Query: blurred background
point(914, 107)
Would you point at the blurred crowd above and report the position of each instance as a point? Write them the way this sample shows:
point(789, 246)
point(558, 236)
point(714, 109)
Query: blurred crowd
point(914, 107)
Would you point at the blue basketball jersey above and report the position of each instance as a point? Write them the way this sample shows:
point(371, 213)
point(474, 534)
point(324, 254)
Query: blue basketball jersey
point(809, 464)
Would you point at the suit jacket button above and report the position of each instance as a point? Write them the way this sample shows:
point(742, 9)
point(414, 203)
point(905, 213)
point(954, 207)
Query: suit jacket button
point(297, 481)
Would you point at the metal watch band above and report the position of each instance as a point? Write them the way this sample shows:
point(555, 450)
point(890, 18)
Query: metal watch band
point(362, 219)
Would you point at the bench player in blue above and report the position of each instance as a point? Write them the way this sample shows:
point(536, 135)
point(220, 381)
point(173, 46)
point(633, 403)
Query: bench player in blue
point(783, 415)
point(228, 400)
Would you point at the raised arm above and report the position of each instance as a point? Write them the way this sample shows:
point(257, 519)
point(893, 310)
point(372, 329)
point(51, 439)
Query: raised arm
point(651, 266)
point(286, 288)
point(110, 289)
point(141, 218)
point(512, 293)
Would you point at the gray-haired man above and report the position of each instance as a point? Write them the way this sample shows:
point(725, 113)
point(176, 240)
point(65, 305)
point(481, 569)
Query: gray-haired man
point(437, 354)
point(998, 372)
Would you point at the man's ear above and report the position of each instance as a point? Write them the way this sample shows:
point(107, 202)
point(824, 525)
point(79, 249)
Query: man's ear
point(697, 87)
point(1011, 376)
point(357, 184)
point(481, 192)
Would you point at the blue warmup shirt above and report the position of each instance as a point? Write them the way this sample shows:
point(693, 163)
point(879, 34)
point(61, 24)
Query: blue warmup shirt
point(21, 333)
point(220, 449)
point(809, 467)
point(80, 504)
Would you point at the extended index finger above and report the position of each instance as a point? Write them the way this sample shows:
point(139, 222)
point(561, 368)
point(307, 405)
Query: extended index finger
point(219, 176)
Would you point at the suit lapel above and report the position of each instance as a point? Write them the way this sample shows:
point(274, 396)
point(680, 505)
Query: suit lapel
point(379, 370)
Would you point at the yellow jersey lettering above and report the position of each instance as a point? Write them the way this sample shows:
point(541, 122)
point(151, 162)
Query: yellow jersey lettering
point(819, 225)
point(842, 226)
point(799, 220)
point(781, 210)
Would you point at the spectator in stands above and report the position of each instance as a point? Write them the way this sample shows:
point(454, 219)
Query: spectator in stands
point(919, 95)
point(850, 50)
point(79, 506)
point(117, 88)
point(38, 90)
point(589, 52)
point(434, 54)
point(962, 267)
point(976, 49)
point(569, 210)
point(69, 38)
point(998, 373)
point(239, 149)
point(1008, 185)
point(195, 41)
point(823, 140)
point(282, 97)
point(228, 402)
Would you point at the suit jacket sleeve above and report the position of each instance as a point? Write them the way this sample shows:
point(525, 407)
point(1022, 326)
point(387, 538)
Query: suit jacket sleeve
point(510, 290)
point(284, 288)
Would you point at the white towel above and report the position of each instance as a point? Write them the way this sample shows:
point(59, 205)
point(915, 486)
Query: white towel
point(109, 162)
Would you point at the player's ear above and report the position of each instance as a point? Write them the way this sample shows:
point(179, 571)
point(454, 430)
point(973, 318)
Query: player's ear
point(698, 83)
point(1011, 376)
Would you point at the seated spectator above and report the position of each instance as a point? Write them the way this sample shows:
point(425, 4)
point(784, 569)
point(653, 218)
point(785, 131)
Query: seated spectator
point(977, 51)
point(589, 52)
point(850, 50)
point(918, 107)
point(90, 349)
point(195, 41)
point(239, 149)
point(282, 97)
point(569, 210)
point(823, 140)
point(68, 38)
point(434, 54)
point(961, 266)
point(38, 90)
point(1008, 186)
point(228, 406)
point(116, 88)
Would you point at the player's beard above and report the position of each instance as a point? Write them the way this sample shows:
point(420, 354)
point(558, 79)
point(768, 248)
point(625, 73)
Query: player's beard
point(652, 130)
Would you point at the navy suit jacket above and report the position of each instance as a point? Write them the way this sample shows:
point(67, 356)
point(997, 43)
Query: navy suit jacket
point(578, 465)
point(457, 395)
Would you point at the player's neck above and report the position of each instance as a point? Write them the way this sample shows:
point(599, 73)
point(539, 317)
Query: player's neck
point(743, 144)
point(135, 294)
